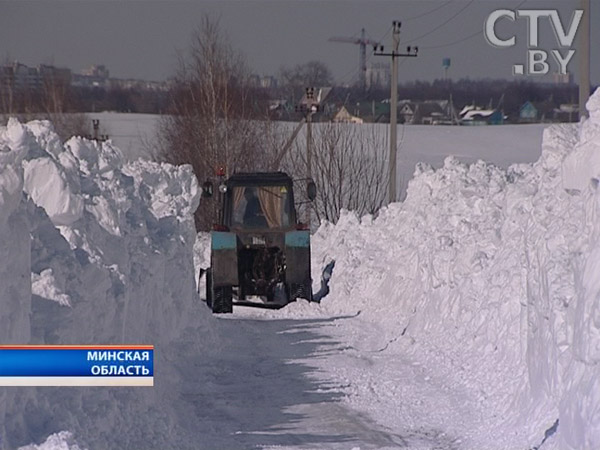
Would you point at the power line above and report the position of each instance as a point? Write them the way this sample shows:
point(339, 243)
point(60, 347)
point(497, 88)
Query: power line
point(349, 75)
point(466, 38)
point(430, 11)
point(441, 24)
point(478, 32)
point(380, 40)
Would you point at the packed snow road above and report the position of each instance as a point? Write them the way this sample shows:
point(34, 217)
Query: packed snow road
point(318, 382)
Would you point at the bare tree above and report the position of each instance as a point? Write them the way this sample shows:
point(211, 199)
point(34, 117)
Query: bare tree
point(54, 91)
point(55, 97)
point(50, 100)
point(212, 120)
point(310, 74)
point(348, 165)
point(6, 87)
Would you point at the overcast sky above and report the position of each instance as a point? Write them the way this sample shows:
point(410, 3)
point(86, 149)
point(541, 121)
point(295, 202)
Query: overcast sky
point(140, 39)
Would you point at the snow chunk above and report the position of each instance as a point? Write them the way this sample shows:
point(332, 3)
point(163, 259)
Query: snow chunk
point(593, 107)
point(62, 440)
point(170, 190)
point(12, 152)
point(44, 285)
point(11, 183)
point(46, 137)
point(94, 157)
point(581, 169)
point(49, 188)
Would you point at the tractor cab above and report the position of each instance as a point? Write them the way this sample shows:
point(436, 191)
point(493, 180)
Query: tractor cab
point(259, 203)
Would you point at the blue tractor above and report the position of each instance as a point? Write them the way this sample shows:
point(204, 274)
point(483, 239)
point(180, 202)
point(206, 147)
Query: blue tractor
point(259, 249)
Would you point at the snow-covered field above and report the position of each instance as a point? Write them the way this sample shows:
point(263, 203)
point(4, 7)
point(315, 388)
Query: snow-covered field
point(466, 317)
point(131, 133)
point(500, 145)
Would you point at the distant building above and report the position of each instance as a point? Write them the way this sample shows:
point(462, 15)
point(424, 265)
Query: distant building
point(378, 76)
point(428, 112)
point(265, 82)
point(546, 112)
point(471, 115)
point(135, 84)
point(343, 116)
point(55, 75)
point(560, 78)
point(407, 112)
point(98, 76)
point(19, 77)
point(280, 109)
point(528, 112)
point(254, 80)
point(566, 113)
point(6, 76)
point(96, 71)
point(25, 77)
point(531, 112)
point(93, 76)
point(268, 82)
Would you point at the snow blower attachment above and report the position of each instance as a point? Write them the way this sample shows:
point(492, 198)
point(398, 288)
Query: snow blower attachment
point(259, 248)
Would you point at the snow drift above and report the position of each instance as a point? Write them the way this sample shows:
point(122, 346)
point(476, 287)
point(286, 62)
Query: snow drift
point(92, 251)
point(489, 275)
point(492, 275)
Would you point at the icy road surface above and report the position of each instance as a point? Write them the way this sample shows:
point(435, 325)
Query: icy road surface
point(316, 382)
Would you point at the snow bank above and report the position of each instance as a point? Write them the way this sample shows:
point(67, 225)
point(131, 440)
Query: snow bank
point(15, 287)
point(495, 280)
point(63, 440)
point(93, 250)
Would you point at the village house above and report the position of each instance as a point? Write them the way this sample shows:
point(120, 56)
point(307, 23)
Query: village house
point(343, 116)
point(428, 112)
point(472, 115)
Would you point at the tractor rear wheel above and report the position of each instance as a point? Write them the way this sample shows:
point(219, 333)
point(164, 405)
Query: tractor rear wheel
point(301, 290)
point(222, 300)
point(209, 289)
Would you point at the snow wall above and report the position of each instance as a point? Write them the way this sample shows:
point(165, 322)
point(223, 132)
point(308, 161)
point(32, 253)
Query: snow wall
point(495, 274)
point(491, 273)
point(92, 251)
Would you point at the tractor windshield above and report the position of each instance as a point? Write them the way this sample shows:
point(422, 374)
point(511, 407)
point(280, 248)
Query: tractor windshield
point(261, 207)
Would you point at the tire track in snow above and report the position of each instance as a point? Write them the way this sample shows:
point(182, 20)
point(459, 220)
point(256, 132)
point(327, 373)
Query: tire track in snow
point(252, 384)
point(396, 394)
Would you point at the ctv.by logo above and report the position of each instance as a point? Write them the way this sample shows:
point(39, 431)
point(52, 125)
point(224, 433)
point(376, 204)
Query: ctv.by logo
point(537, 59)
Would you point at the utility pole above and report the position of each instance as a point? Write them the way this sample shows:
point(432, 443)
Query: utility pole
point(96, 136)
point(584, 59)
point(288, 145)
point(95, 125)
point(394, 113)
point(308, 144)
point(309, 115)
point(309, 105)
point(410, 52)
